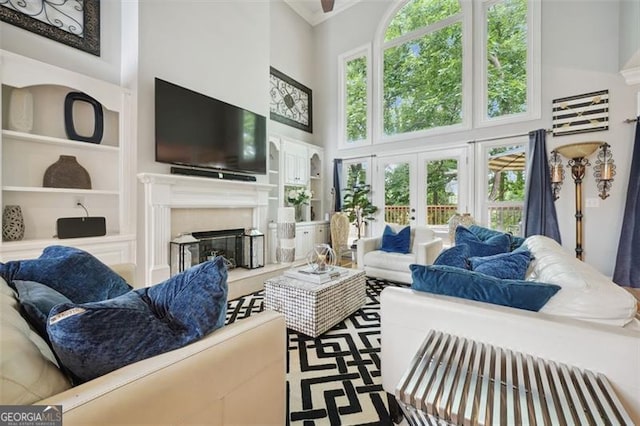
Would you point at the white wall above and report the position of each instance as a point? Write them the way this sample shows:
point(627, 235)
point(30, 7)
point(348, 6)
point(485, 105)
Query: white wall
point(579, 55)
point(292, 52)
point(630, 28)
point(105, 67)
point(218, 48)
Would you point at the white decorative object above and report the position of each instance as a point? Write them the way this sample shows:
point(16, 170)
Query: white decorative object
point(321, 258)
point(21, 110)
point(286, 235)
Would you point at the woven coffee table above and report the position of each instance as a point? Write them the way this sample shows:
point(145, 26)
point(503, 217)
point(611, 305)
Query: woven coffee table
point(311, 308)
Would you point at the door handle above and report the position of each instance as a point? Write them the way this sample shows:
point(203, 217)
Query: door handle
point(413, 218)
point(413, 210)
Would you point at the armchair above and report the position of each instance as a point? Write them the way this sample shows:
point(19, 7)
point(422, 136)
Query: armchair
point(425, 247)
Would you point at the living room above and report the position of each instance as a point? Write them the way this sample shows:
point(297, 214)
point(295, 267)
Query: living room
point(224, 49)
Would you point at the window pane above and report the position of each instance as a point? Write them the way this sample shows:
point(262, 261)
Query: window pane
point(420, 13)
point(356, 101)
point(356, 174)
point(507, 58)
point(505, 192)
point(396, 193)
point(423, 82)
point(441, 190)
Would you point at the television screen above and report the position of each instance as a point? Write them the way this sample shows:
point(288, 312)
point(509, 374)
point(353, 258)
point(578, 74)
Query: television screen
point(195, 130)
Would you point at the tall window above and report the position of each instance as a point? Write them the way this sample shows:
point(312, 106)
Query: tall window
point(506, 47)
point(356, 97)
point(422, 83)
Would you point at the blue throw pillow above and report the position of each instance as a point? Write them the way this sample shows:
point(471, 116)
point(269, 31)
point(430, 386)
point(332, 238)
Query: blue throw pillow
point(494, 245)
point(485, 233)
point(396, 243)
point(72, 272)
point(510, 266)
point(450, 281)
point(456, 256)
point(93, 339)
point(36, 301)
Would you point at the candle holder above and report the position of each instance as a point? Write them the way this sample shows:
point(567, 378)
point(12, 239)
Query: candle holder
point(557, 173)
point(604, 170)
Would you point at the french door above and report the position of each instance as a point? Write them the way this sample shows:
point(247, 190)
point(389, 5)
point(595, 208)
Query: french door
point(422, 189)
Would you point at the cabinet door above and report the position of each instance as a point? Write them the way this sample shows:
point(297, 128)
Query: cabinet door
point(322, 233)
point(295, 164)
point(305, 238)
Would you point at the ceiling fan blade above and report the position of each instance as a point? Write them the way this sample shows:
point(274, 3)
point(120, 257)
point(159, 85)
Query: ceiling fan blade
point(327, 5)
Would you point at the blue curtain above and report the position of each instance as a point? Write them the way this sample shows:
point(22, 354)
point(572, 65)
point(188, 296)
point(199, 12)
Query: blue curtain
point(627, 270)
point(539, 210)
point(337, 183)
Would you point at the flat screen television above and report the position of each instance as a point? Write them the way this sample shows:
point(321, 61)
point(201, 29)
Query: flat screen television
point(198, 131)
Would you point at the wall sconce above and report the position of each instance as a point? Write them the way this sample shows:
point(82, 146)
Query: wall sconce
point(557, 173)
point(604, 170)
point(577, 154)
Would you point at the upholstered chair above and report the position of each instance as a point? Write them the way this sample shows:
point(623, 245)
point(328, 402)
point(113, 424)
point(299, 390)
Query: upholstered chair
point(424, 248)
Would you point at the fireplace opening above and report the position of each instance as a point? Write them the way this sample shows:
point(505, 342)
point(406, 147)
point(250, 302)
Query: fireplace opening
point(191, 249)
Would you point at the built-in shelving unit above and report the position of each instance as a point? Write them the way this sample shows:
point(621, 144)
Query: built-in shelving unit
point(26, 155)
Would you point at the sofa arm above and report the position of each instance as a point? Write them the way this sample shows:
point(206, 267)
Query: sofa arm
point(365, 245)
point(235, 375)
point(426, 253)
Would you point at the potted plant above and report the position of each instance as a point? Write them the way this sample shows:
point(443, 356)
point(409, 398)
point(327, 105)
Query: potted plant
point(297, 197)
point(357, 205)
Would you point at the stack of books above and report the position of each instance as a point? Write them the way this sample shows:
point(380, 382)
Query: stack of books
point(319, 277)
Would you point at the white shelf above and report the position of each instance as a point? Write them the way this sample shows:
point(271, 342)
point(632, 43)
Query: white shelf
point(315, 177)
point(44, 242)
point(273, 198)
point(59, 190)
point(9, 135)
point(274, 172)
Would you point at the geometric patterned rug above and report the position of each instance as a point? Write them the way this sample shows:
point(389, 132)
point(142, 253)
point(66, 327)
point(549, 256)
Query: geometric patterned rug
point(333, 379)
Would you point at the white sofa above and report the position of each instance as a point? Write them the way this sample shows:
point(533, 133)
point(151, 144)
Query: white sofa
point(425, 247)
point(234, 376)
point(555, 333)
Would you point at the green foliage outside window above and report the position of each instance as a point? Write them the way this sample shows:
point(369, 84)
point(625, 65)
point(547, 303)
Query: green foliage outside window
point(507, 58)
point(356, 102)
point(418, 14)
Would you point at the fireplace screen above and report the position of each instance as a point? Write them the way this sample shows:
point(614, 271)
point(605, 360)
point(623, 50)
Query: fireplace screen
point(191, 249)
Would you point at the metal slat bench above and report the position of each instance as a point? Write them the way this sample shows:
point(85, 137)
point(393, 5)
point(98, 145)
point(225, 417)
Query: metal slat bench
point(457, 381)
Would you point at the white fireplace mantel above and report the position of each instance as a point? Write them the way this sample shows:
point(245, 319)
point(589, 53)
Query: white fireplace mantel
point(164, 192)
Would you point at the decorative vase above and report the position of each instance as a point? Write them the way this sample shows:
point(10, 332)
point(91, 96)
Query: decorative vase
point(21, 110)
point(66, 173)
point(464, 219)
point(322, 258)
point(299, 208)
point(12, 224)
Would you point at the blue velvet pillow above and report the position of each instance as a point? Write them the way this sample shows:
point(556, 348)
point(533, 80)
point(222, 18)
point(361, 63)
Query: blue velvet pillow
point(450, 281)
point(72, 272)
point(510, 266)
point(494, 245)
point(485, 233)
point(36, 301)
point(396, 243)
point(93, 339)
point(455, 256)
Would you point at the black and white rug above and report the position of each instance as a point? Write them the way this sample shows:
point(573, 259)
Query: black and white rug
point(333, 379)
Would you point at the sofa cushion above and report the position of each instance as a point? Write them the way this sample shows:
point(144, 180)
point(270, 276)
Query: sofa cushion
point(510, 266)
point(455, 256)
point(586, 293)
point(485, 233)
point(392, 261)
point(493, 245)
point(28, 369)
point(451, 281)
point(36, 301)
point(70, 271)
point(93, 339)
point(399, 242)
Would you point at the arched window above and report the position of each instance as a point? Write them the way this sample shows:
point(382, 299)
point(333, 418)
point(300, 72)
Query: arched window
point(422, 67)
